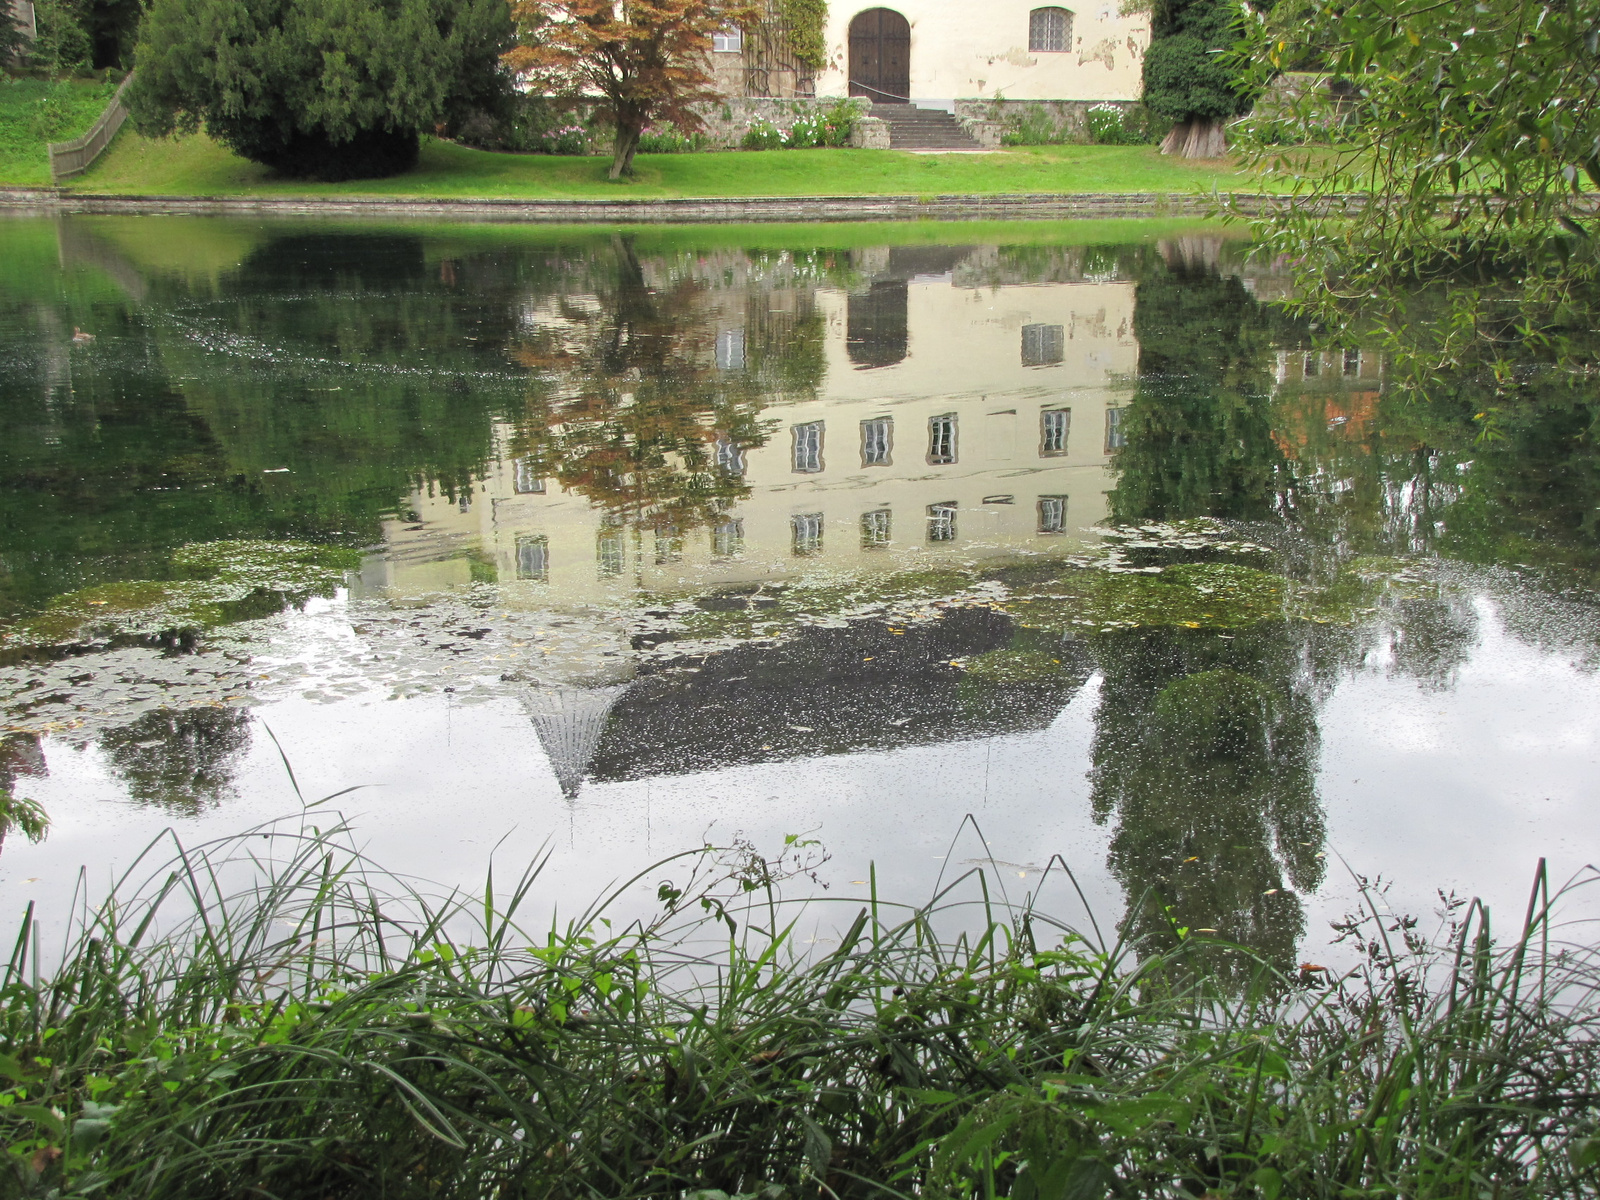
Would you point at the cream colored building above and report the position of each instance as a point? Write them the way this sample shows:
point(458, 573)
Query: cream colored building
point(956, 421)
point(1011, 49)
point(936, 52)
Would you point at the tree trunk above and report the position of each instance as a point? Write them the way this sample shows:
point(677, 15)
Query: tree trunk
point(1198, 137)
point(627, 142)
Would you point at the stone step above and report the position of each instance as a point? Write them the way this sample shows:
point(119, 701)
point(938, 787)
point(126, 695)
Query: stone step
point(912, 128)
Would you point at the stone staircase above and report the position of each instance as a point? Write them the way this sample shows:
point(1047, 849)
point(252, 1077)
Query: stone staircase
point(913, 128)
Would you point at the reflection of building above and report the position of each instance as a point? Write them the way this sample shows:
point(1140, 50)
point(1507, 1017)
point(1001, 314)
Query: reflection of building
point(956, 422)
point(1333, 390)
point(828, 691)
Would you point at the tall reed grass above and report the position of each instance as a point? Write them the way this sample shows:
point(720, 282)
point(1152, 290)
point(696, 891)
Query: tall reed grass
point(274, 1017)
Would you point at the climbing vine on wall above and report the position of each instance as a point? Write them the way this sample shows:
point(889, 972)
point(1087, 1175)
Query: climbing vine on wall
point(805, 21)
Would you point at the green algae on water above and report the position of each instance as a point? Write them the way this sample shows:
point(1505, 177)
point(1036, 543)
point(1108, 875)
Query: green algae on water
point(214, 582)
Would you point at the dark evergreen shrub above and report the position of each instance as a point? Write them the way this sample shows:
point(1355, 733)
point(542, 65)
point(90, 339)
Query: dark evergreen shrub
point(319, 89)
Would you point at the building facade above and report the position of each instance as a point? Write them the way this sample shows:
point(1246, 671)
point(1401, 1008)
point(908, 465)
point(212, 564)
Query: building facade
point(934, 53)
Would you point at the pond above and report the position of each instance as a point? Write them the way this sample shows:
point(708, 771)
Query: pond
point(610, 543)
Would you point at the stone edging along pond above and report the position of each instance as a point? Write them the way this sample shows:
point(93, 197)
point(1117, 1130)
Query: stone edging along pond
point(672, 210)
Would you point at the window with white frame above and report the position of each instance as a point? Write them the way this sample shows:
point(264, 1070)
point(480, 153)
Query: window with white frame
point(1115, 438)
point(1052, 514)
point(728, 41)
point(730, 350)
point(877, 440)
point(942, 521)
point(1352, 362)
point(611, 551)
point(808, 447)
point(669, 545)
point(525, 478)
point(533, 557)
point(727, 538)
point(805, 534)
point(942, 439)
point(876, 529)
point(1312, 366)
point(730, 457)
point(1043, 345)
point(1049, 30)
point(1054, 425)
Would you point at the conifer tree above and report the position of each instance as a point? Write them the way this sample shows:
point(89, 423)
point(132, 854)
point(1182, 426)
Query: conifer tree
point(1188, 78)
point(322, 89)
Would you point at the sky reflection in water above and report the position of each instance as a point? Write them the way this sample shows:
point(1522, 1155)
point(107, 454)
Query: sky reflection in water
point(683, 533)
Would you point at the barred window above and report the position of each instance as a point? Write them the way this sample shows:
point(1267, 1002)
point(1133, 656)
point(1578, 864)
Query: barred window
point(730, 350)
point(876, 528)
point(805, 534)
point(1049, 30)
point(942, 521)
point(730, 456)
point(610, 551)
point(727, 539)
point(808, 447)
point(533, 558)
point(1054, 425)
point(877, 438)
point(1043, 345)
point(942, 439)
point(1052, 514)
point(728, 41)
point(1115, 438)
point(525, 480)
point(669, 545)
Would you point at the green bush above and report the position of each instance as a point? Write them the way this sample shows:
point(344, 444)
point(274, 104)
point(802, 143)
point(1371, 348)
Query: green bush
point(63, 43)
point(1115, 125)
point(762, 135)
point(1035, 126)
point(670, 141)
point(830, 128)
point(324, 89)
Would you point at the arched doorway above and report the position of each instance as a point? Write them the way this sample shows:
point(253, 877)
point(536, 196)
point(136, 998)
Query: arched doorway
point(880, 56)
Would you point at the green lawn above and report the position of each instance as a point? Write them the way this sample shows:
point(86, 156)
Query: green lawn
point(35, 112)
point(198, 166)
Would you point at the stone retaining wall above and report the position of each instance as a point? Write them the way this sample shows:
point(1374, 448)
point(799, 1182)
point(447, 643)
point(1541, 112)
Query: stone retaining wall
point(989, 118)
point(727, 121)
point(681, 211)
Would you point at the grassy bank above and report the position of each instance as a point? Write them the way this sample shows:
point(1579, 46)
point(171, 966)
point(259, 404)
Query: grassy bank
point(35, 112)
point(309, 1035)
point(198, 166)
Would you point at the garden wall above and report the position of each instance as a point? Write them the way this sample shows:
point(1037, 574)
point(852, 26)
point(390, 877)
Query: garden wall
point(727, 121)
point(1068, 117)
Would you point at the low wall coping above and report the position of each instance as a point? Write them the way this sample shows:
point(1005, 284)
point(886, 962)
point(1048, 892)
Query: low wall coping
point(686, 210)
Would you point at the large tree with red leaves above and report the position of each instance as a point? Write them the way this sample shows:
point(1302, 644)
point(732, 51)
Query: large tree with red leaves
point(646, 61)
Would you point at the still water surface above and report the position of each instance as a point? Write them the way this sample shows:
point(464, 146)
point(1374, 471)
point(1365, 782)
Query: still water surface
point(666, 536)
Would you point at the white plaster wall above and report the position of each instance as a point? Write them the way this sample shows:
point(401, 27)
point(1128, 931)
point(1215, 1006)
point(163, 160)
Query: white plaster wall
point(961, 50)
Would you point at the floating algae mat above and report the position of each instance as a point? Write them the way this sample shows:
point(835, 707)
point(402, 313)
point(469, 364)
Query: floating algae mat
point(213, 583)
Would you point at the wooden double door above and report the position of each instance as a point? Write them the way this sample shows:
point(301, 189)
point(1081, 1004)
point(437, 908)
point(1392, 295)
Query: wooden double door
point(880, 56)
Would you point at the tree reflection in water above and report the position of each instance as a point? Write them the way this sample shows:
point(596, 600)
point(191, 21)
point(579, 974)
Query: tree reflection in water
point(184, 760)
point(1205, 748)
point(637, 407)
point(1205, 756)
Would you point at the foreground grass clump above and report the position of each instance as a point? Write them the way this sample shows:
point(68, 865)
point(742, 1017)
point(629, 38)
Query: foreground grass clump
point(305, 1035)
point(198, 166)
point(35, 112)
